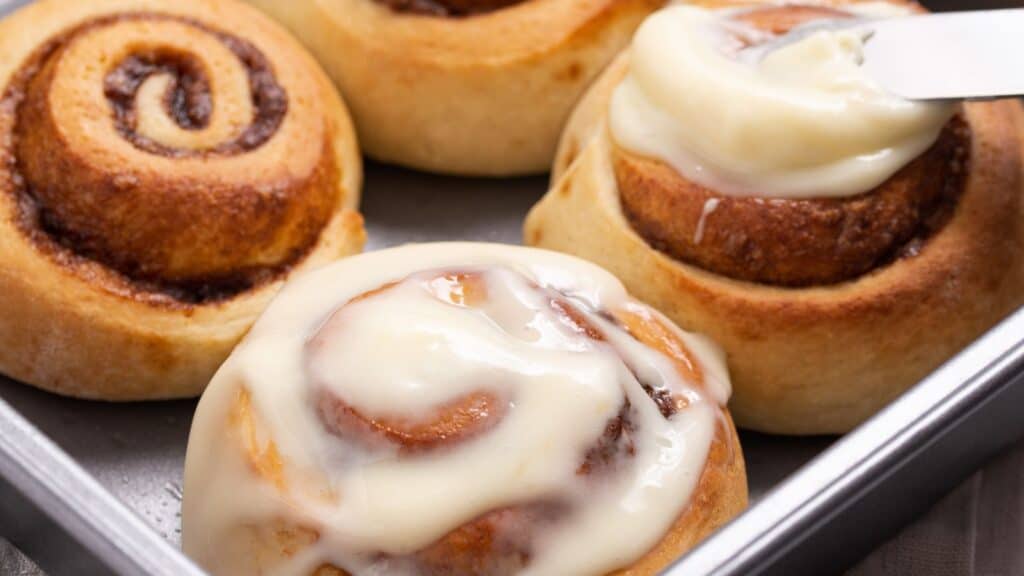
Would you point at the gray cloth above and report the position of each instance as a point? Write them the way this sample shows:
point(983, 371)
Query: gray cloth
point(14, 563)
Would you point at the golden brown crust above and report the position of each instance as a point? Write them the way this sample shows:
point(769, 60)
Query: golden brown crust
point(134, 256)
point(172, 228)
point(793, 242)
point(484, 95)
point(818, 359)
point(500, 541)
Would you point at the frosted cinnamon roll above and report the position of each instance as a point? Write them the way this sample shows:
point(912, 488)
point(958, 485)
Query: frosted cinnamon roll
point(460, 409)
point(839, 241)
point(475, 87)
point(165, 166)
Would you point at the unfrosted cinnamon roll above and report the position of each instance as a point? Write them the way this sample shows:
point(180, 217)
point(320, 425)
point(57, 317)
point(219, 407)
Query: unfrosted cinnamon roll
point(839, 242)
point(164, 166)
point(457, 409)
point(476, 87)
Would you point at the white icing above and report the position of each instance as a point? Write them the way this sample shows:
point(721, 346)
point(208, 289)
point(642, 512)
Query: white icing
point(804, 121)
point(710, 205)
point(403, 352)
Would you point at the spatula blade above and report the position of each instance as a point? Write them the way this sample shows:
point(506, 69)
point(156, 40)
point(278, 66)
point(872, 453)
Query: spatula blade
point(953, 55)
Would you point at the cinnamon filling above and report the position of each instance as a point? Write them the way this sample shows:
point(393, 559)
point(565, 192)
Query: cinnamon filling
point(794, 242)
point(447, 8)
point(615, 445)
point(458, 421)
point(781, 19)
point(498, 542)
point(145, 240)
point(188, 100)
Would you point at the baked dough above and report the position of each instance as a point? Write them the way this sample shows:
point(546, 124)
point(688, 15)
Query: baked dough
point(166, 165)
point(485, 93)
point(818, 358)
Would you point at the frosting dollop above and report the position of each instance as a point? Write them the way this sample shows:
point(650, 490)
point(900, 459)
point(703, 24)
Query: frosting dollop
point(802, 121)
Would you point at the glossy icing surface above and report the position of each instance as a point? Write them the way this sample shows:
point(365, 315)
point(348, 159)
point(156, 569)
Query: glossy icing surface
point(520, 347)
point(800, 121)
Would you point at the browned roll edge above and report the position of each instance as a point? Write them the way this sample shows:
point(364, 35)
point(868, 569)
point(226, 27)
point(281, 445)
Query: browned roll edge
point(113, 272)
point(794, 242)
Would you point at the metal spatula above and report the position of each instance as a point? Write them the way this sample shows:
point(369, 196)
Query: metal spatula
point(973, 55)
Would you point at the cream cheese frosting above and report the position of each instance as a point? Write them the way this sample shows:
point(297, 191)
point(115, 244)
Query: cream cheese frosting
point(803, 121)
point(407, 351)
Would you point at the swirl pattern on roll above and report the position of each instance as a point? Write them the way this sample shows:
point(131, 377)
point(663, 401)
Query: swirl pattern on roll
point(447, 8)
point(456, 409)
point(174, 159)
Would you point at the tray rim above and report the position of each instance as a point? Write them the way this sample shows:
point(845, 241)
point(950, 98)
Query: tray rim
point(867, 456)
point(53, 481)
point(114, 532)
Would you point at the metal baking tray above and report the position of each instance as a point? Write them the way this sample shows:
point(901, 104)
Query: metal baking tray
point(93, 488)
point(110, 474)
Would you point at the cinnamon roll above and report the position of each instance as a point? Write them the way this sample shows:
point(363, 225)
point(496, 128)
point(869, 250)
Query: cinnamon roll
point(473, 87)
point(460, 409)
point(838, 241)
point(163, 166)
